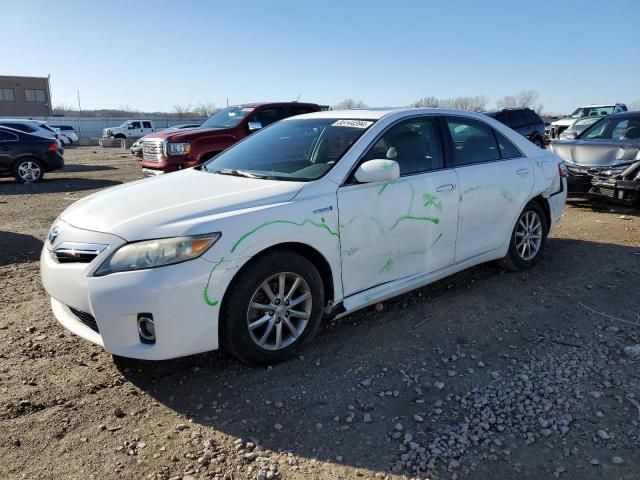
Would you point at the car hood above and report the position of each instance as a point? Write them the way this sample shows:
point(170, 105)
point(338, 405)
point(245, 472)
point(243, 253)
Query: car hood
point(596, 153)
point(563, 122)
point(173, 204)
point(188, 134)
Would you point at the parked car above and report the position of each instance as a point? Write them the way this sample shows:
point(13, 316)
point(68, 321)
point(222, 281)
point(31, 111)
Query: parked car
point(607, 147)
point(623, 187)
point(562, 124)
point(28, 156)
point(130, 129)
point(69, 131)
point(66, 141)
point(170, 151)
point(136, 148)
point(524, 121)
point(578, 127)
point(315, 216)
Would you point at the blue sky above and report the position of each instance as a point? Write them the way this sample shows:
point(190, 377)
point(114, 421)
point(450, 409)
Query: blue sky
point(153, 55)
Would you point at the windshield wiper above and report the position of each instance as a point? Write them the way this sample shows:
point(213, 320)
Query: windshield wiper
point(237, 173)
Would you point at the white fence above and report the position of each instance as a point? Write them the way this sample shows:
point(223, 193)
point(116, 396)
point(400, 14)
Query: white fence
point(91, 127)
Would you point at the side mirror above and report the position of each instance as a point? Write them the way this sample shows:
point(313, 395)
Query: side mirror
point(253, 126)
point(130, 126)
point(378, 171)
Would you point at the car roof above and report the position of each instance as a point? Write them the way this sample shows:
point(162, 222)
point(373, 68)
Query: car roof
point(21, 120)
point(376, 114)
point(260, 104)
point(600, 105)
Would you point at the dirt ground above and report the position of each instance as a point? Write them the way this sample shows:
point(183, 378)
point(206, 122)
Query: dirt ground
point(486, 374)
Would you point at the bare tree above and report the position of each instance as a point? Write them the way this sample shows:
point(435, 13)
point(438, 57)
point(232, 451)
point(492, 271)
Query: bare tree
point(426, 102)
point(349, 104)
point(182, 110)
point(206, 109)
point(508, 101)
point(524, 99)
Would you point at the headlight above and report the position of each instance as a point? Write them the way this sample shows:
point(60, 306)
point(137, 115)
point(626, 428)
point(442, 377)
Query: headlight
point(157, 253)
point(179, 148)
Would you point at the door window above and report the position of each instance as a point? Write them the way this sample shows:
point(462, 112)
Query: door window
point(473, 141)
point(270, 115)
point(517, 119)
point(20, 126)
point(146, 124)
point(414, 144)
point(507, 149)
point(8, 137)
point(134, 125)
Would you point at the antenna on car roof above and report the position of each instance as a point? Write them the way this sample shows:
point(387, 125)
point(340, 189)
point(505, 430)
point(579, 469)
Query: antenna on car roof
point(298, 96)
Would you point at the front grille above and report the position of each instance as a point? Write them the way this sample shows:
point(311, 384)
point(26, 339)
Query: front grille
point(86, 319)
point(152, 150)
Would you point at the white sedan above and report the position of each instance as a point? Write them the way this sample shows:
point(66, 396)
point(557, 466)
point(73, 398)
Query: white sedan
point(315, 216)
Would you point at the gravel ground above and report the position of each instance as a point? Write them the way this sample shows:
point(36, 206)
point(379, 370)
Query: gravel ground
point(486, 374)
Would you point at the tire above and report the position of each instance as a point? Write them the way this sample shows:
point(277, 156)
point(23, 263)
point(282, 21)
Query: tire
point(538, 142)
point(120, 136)
point(258, 345)
point(28, 170)
point(521, 255)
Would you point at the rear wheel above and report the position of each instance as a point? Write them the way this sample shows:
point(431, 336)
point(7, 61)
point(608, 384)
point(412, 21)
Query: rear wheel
point(28, 170)
point(538, 142)
point(273, 309)
point(528, 239)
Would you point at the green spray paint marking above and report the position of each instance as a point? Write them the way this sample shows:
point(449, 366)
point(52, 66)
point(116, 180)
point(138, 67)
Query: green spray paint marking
point(507, 195)
point(387, 165)
point(322, 225)
point(387, 266)
point(419, 219)
point(469, 190)
point(413, 192)
point(366, 217)
point(205, 294)
point(431, 200)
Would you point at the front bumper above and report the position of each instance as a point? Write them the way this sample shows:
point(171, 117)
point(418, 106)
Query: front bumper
point(184, 300)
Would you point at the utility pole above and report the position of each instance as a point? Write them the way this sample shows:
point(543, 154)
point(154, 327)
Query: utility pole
point(79, 112)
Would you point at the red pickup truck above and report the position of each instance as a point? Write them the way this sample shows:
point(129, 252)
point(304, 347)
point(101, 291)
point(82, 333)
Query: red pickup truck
point(171, 151)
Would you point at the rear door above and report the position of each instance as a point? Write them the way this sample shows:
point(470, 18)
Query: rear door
point(8, 143)
point(147, 127)
point(495, 180)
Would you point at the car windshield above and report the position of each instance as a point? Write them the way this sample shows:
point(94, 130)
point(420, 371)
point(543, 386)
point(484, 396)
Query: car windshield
point(227, 118)
point(297, 150)
point(582, 124)
point(614, 128)
point(592, 111)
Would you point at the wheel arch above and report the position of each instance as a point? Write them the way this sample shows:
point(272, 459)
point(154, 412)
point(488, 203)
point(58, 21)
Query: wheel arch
point(544, 203)
point(310, 253)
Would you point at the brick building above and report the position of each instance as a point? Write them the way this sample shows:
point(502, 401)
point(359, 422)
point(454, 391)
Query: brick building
point(24, 96)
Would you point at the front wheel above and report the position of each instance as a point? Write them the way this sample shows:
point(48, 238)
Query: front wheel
point(538, 142)
point(28, 170)
point(528, 239)
point(273, 309)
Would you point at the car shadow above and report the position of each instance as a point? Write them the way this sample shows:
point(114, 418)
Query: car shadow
point(82, 167)
point(359, 367)
point(53, 185)
point(18, 248)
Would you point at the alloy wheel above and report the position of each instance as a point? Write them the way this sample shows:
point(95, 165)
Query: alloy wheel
point(279, 311)
point(528, 235)
point(29, 171)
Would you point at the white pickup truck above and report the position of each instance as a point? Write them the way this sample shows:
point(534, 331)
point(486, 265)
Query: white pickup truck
point(130, 129)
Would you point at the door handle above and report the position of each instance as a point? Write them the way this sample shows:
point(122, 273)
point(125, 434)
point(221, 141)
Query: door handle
point(522, 172)
point(446, 188)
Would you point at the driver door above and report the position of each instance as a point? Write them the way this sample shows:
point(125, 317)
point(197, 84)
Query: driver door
point(393, 230)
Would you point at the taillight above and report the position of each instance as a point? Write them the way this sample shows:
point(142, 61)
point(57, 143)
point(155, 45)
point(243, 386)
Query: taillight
point(53, 147)
point(562, 170)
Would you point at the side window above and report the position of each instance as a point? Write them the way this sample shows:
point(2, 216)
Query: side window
point(473, 141)
point(414, 144)
point(8, 137)
point(517, 119)
point(270, 115)
point(20, 126)
point(507, 149)
point(146, 124)
point(134, 125)
point(532, 117)
point(620, 129)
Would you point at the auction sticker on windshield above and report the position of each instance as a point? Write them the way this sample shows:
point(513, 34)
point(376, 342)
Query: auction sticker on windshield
point(352, 123)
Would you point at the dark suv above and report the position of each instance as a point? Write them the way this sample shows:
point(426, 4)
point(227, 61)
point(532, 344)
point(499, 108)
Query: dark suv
point(524, 121)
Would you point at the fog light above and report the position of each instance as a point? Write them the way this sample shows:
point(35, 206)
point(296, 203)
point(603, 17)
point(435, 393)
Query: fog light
point(146, 328)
